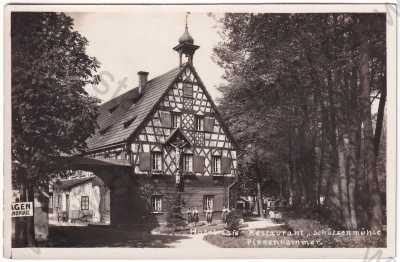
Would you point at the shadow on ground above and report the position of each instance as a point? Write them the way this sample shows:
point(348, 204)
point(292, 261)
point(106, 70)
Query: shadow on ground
point(107, 236)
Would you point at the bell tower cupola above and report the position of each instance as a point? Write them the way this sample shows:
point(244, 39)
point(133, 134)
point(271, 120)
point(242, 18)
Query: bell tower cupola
point(186, 45)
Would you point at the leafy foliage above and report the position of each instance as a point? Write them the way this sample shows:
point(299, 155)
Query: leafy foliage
point(52, 114)
point(298, 101)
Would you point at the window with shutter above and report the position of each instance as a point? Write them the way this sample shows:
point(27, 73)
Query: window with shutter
point(165, 118)
point(187, 90)
point(198, 164)
point(144, 161)
point(209, 124)
point(225, 165)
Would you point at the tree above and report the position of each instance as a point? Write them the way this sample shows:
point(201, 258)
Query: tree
point(52, 114)
point(301, 86)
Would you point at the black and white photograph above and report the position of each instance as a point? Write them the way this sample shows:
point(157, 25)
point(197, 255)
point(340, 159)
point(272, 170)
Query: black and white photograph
point(205, 128)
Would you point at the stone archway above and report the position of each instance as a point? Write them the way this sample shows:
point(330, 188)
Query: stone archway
point(106, 173)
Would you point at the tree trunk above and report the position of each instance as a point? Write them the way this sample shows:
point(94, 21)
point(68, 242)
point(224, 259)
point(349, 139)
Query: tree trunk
point(260, 200)
point(259, 193)
point(379, 119)
point(343, 183)
point(353, 172)
point(29, 221)
point(375, 220)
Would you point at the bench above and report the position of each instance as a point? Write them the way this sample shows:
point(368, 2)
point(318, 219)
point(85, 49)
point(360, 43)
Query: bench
point(81, 216)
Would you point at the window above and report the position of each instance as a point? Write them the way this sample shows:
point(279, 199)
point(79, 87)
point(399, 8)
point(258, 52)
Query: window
point(105, 130)
point(200, 123)
point(118, 155)
point(59, 199)
point(84, 203)
point(129, 122)
point(156, 161)
point(187, 90)
point(208, 202)
point(156, 203)
point(165, 118)
point(188, 163)
point(51, 202)
point(216, 164)
point(176, 120)
point(112, 109)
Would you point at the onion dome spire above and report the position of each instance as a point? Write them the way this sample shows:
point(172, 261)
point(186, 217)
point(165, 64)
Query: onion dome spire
point(186, 37)
point(186, 45)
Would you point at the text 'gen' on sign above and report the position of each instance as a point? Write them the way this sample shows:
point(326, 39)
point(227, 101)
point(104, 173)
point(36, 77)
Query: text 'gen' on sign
point(22, 209)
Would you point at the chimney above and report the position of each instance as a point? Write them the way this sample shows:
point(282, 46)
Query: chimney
point(142, 81)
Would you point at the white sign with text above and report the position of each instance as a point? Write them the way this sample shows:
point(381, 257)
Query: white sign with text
point(22, 209)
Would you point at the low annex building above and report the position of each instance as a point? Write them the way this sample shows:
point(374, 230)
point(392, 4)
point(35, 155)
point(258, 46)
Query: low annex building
point(80, 200)
point(163, 144)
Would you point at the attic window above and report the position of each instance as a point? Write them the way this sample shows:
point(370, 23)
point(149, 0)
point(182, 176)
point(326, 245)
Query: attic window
point(105, 130)
point(112, 109)
point(129, 122)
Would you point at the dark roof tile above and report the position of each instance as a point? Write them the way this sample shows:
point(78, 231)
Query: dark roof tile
point(129, 106)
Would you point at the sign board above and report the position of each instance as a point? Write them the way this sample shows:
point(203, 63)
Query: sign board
point(22, 209)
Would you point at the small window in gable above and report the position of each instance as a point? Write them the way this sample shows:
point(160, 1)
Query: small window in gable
point(187, 90)
point(112, 109)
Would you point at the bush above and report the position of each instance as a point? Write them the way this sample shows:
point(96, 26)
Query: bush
point(175, 217)
point(233, 221)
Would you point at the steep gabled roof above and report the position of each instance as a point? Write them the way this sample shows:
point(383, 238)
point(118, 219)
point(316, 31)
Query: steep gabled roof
point(122, 116)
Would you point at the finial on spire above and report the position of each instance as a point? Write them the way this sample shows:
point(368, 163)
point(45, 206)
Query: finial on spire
point(186, 37)
point(186, 23)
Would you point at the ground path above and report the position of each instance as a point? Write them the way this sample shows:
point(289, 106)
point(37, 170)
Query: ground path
point(197, 241)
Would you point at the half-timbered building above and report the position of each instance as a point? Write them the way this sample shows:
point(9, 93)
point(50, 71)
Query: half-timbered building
point(164, 142)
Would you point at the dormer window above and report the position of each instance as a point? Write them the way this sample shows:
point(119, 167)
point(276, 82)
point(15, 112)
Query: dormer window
point(112, 109)
point(105, 130)
point(129, 122)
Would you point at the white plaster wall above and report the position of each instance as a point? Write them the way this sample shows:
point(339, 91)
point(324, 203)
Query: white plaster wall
point(94, 199)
